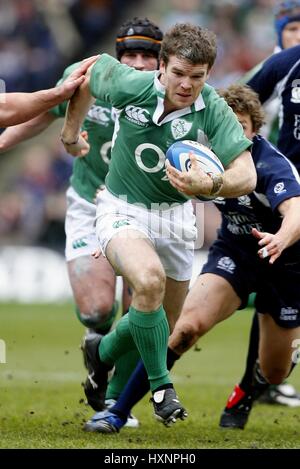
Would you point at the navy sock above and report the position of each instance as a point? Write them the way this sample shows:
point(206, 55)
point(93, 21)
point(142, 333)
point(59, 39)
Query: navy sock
point(252, 356)
point(137, 387)
point(292, 367)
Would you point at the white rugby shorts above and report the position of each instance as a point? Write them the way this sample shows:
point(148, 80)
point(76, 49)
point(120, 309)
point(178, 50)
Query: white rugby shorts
point(81, 239)
point(171, 230)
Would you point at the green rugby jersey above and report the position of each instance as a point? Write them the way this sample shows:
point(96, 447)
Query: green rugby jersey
point(137, 168)
point(89, 172)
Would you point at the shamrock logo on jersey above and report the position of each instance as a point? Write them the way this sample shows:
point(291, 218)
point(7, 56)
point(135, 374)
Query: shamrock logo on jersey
point(180, 128)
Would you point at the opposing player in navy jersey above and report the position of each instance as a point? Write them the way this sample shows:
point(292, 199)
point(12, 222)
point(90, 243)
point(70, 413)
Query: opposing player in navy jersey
point(236, 413)
point(257, 250)
point(287, 27)
point(279, 76)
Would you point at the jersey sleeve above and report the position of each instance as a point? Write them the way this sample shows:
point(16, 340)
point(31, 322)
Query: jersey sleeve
point(114, 82)
point(277, 177)
point(224, 131)
point(273, 71)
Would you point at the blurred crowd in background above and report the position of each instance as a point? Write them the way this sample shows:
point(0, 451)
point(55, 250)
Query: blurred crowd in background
point(39, 38)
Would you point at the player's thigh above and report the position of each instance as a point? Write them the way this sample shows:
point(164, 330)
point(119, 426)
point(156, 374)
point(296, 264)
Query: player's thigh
point(133, 256)
point(123, 233)
point(276, 344)
point(93, 283)
point(211, 300)
point(175, 295)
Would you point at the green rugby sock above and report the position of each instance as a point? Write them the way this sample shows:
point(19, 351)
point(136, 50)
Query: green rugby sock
point(124, 367)
point(117, 342)
point(150, 332)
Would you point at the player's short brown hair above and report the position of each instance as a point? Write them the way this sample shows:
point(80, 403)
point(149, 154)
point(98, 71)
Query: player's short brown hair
point(189, 42)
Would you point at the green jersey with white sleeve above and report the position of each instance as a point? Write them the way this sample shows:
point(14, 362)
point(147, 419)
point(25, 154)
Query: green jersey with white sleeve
point(89, 172)
point(141, 139)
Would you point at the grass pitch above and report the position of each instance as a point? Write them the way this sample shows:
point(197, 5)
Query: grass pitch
point(42, 406)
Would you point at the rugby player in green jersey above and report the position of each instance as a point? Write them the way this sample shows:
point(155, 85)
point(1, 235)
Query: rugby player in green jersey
point(19, 107)
point(93, 282)
point(145, 226)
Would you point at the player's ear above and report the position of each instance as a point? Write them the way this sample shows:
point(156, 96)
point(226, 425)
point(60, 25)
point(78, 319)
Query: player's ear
point(162, 66)
point(208, 73)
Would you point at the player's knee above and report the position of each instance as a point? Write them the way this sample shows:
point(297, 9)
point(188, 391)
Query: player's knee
point(151, 282)
point(96, 316)
point(191, 320)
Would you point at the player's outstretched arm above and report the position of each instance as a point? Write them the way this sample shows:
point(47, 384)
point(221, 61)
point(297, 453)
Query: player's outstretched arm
point(16, 134)
point(16, 108)
point(238, 179)
point(272, 245)
point(79, 104)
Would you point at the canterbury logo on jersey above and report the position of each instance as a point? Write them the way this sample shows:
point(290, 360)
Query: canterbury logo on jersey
point(101, 115)
point(137, 115)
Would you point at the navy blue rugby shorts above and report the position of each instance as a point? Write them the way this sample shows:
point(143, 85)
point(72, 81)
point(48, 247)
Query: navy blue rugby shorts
point(277, 286)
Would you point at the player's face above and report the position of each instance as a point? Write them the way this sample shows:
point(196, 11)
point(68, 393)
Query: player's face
point(183, 81)
point(291, 35)
point(140, 60)
point(246, 122)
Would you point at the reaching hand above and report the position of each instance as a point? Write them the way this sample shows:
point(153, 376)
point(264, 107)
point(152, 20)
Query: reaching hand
point(271, 245)
point(76, 78)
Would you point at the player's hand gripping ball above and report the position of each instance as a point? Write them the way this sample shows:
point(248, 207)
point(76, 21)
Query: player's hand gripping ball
point(178, 156)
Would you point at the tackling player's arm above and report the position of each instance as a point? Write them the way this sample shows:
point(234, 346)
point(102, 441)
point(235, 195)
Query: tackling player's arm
point(16, 134)
point(78, 107)
point(273, 245)
point(238, 179)
point(16, 108)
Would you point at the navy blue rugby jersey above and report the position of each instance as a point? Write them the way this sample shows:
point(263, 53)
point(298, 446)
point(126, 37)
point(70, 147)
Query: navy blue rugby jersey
point(277, 180)
point(280, 76)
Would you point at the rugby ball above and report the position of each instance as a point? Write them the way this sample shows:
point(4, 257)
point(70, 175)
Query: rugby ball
point(178, 156)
